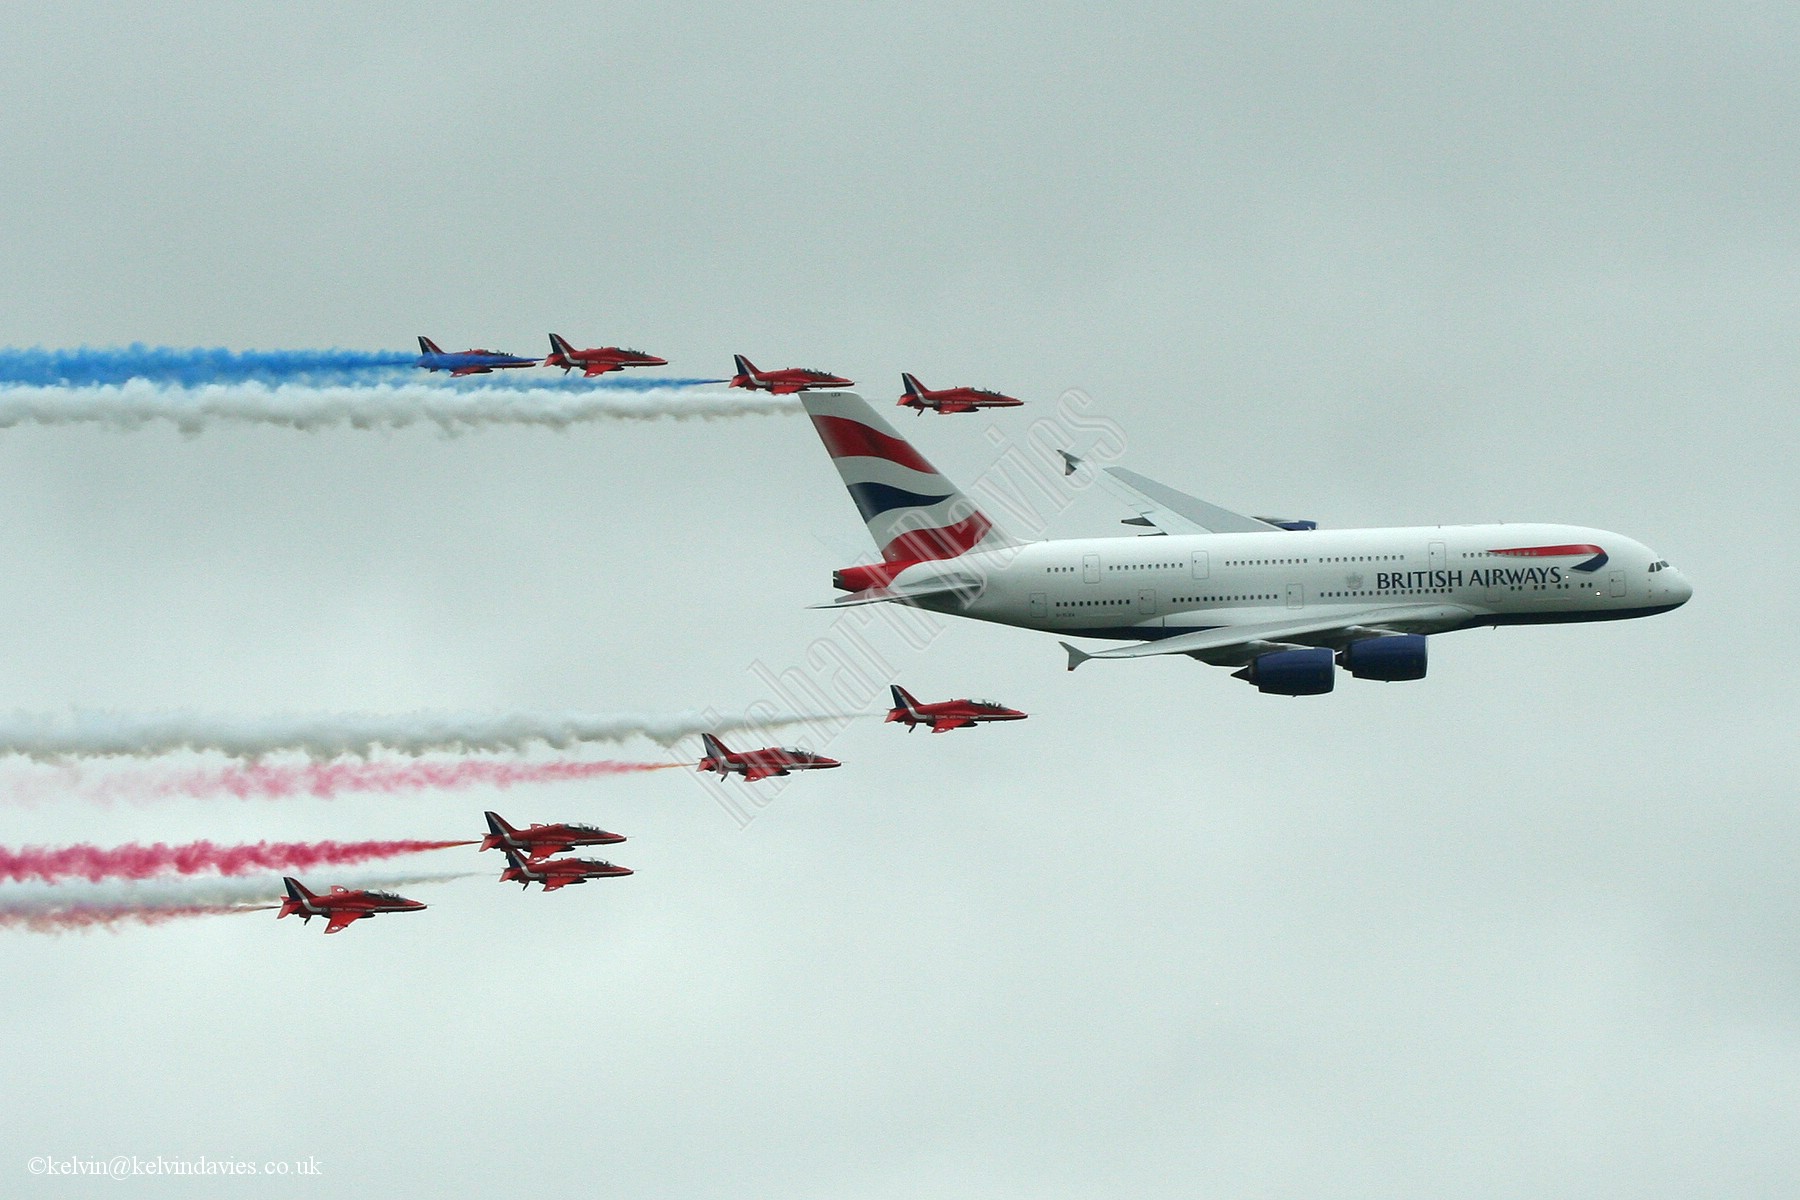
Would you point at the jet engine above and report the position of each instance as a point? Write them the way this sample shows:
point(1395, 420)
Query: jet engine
point(1291, 672)
point(1389, 659)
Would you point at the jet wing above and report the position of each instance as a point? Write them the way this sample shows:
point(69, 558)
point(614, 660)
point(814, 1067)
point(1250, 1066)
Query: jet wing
point(339, 920)
point(1167, 509)
point(752, 774)
point(594, 369)
point(946, 724)
point(1392, 618)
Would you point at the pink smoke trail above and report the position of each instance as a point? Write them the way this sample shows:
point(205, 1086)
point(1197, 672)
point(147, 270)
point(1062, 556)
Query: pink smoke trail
point(53, 863)
point(84, 919)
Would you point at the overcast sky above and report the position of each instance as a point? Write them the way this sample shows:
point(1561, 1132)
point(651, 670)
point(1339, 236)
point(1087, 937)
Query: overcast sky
point(1526, 928)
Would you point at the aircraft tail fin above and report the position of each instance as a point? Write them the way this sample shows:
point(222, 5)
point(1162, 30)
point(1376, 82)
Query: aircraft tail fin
point(903, 699)
point(498, 831)
point(745, 367)
point(559, 346)
point(913, 512)
point(298, 898)
point(914, 389)
point(715, 749)
point(427, 346)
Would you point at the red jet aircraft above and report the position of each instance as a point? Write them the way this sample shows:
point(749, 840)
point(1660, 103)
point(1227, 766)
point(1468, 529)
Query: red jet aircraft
point(340, 905)
point(951, 400)
point(541, 841)
point(554, 873)
point(760, 764)
point(597, 361)
point(434, 357)
point(786, 382)
point(946, 715)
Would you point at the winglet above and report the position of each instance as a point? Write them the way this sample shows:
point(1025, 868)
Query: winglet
point(1076, 657)
point(1070, 462)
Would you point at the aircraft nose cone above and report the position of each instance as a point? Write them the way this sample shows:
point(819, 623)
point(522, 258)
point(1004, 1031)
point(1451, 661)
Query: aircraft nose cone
point(1680, 590)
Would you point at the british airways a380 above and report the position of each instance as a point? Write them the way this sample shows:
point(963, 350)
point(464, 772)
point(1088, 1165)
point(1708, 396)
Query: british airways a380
point(1281, 602)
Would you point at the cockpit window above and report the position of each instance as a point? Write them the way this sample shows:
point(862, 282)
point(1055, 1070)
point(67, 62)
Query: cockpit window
point(1661, 564)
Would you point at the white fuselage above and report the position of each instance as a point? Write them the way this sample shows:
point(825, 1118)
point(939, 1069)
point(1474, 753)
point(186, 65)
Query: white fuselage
point(1145, 588)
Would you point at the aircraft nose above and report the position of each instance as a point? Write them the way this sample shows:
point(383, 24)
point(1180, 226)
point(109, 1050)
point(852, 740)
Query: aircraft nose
point(1679, 589)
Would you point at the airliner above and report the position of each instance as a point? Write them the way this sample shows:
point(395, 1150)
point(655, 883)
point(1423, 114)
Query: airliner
point(1281, 601)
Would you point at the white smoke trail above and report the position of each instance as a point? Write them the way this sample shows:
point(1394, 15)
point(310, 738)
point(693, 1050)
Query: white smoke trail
point(382, 406)
point(189, 893)
point(84, 734)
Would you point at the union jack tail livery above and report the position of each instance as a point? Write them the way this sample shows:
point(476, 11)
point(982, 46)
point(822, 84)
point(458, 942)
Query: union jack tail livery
point(914, 514)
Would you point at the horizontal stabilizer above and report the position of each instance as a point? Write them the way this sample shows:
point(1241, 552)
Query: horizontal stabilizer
point(903, 595)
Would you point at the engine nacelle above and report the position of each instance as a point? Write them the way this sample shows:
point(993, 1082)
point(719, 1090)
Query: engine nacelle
point(1291, 672)
point(1390, 659)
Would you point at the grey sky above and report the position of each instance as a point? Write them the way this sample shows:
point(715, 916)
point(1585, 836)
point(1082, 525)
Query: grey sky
point(1525, 928)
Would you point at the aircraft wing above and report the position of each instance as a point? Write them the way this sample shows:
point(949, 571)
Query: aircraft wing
point(593, 369)
point(752, 774)
point(946, 724)
point(1167, 509)
point(339, 920)
point(1389, 618)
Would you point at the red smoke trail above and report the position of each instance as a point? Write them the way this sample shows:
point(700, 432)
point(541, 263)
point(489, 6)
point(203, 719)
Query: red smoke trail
point(265, 780)
point(110, 916)
point(53, 863)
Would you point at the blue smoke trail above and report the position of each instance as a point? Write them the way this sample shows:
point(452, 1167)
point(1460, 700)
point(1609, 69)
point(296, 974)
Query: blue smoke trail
point(88, 366)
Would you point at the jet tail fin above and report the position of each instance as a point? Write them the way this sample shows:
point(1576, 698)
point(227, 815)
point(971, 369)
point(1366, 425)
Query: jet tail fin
point(499, 832)
point(298, 899)
point(903, 698)
point(913, 387)
point(745, 367)
point(427, 346)
point(514, 862)
point(559, 346)
point(913, 513)
point(714, 747)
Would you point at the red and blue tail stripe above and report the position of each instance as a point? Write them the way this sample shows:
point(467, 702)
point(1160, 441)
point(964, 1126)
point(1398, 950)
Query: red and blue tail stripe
point(912, 511)
point(1594, 563)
